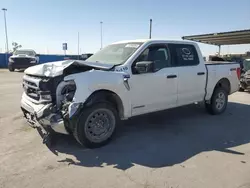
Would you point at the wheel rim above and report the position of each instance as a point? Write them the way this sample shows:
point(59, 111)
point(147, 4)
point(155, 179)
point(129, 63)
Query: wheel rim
point(220, 100)
point(100, 125)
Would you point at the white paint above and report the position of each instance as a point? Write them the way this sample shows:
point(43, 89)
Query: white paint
point(151, 91)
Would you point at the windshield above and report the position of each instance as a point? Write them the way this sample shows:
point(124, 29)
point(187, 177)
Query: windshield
point(24, 52)
point(115, 53)
point(246, 65)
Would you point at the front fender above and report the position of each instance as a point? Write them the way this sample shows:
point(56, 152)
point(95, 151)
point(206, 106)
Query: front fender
point(94, 80)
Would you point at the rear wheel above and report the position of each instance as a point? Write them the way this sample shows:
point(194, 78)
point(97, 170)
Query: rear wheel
point(96, 125)
point(218, 102)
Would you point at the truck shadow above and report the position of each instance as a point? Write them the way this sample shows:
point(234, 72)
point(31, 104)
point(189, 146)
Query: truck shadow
point(165, 138)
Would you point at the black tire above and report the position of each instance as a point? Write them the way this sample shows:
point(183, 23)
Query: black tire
point(213, 106)
point(82, 129)
point(11, 69)
point(241, 89)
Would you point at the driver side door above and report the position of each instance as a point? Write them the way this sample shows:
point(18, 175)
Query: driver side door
point(156, 90)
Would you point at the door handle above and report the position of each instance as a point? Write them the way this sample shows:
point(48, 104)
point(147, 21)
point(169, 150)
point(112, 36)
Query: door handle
point(172, 76)
point(200, 73)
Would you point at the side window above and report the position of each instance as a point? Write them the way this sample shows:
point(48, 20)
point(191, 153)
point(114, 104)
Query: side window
point(183, 55)
point(157, 53)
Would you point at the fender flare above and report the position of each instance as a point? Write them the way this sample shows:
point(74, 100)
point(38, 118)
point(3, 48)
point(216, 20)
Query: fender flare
point(104, 95)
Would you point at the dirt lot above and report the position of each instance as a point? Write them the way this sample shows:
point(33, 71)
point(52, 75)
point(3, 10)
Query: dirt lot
point(179, 148)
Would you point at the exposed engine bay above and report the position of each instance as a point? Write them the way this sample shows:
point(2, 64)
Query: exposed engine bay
point(53, 94)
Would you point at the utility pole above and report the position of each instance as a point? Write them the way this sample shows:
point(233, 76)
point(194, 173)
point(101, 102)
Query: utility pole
point(150, 28)
point(78, 43)
point(101, 34)
point(6, 33)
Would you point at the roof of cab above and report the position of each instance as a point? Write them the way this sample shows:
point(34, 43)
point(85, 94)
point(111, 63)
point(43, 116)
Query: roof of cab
point(28, 50)
point(154, 40)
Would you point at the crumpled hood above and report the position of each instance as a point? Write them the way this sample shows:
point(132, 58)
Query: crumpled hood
point(56, 68)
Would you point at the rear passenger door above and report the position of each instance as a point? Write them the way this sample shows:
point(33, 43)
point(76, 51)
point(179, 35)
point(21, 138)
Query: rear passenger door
point(191, 73)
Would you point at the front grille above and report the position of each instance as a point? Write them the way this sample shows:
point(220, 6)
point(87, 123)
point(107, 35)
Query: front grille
point(31, 88)
point(22, 61)
point(36, 86)
point(30, 83)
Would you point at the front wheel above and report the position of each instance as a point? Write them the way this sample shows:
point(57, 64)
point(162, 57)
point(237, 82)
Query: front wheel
point(218, 102)
point(96, 125)
point(11, 69)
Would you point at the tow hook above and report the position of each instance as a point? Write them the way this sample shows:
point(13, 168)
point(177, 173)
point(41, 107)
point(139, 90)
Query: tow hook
point(47, 136)
point(47, 139)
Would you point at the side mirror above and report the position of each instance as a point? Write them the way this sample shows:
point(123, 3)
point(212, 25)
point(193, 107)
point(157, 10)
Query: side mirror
point(144, 67)
point(37, 55)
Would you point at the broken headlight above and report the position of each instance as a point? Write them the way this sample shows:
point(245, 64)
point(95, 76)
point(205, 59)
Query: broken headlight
point(45, 95)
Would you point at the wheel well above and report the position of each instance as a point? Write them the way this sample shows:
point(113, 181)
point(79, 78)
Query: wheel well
point(224, 83)
point(106, 96)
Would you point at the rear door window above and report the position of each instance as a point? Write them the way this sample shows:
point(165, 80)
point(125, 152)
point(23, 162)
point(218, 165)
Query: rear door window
point(183, 55)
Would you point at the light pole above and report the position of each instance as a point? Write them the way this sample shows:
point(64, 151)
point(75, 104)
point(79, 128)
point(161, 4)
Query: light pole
point(78, 44)
point(6, 34)
point(150, 28)
point(101, 33)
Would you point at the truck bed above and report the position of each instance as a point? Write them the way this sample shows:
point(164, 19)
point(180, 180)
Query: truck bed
point(217, 70)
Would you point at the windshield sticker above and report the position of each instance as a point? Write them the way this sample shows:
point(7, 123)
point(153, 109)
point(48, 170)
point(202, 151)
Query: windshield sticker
point(121, 69)
point(132, 46)
point(187, 54)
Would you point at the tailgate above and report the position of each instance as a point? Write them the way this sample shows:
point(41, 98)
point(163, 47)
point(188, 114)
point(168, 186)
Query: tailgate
point(222, 70)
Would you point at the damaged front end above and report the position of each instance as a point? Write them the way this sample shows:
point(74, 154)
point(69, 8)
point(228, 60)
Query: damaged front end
point(46, 104)
point(48, 99)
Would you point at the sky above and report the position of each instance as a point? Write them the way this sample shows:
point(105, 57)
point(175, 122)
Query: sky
point(45, 24)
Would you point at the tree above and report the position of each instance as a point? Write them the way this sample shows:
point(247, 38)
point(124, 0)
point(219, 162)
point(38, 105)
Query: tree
point(15, 46)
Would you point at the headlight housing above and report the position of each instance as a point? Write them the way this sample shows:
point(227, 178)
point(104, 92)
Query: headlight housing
point(45, 96)
point(11, 60)
point(73, 107)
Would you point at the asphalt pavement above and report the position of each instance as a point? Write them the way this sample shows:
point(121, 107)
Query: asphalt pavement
point(178, 148)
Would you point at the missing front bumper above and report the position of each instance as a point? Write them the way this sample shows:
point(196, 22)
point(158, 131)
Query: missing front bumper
point(40, 115)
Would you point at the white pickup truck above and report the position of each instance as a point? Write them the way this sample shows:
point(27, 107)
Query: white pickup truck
point(125, 79)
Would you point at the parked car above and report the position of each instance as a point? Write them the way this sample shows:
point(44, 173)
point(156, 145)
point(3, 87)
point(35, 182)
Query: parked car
point(89, 98)
point(245, 76)
point(76, 57)
point(85, 56)
point(22, 59)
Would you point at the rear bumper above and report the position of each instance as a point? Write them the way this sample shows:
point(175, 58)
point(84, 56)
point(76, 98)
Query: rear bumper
point(40, 115)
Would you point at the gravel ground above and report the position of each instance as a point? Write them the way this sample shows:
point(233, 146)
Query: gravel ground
point(179, 148)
